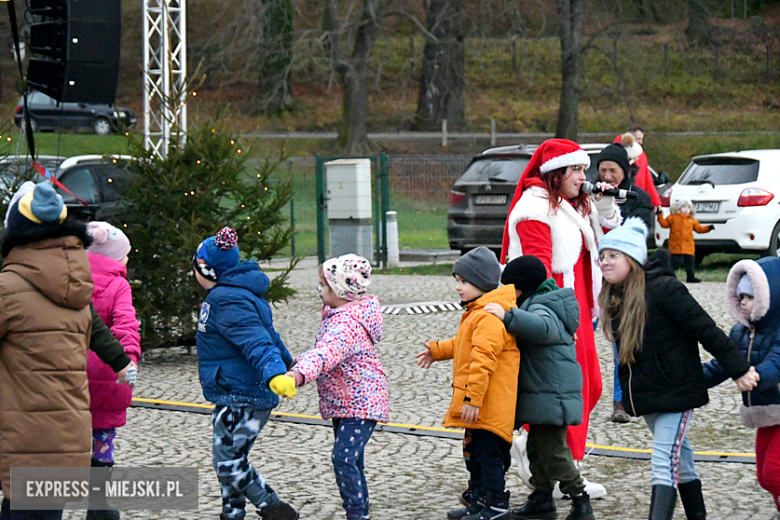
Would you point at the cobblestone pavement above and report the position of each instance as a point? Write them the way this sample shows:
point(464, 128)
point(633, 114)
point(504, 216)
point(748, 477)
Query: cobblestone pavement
point(409, 477)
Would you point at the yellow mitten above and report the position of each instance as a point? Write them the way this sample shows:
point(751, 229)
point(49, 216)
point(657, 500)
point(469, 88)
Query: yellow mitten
point(283, 385)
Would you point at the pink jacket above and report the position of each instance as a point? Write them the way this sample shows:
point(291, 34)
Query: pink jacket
point(113, 301)
point(350, 378)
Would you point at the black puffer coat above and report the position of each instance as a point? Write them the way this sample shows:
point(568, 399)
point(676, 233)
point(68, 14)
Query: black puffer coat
point(641, 206)
point(666, 375)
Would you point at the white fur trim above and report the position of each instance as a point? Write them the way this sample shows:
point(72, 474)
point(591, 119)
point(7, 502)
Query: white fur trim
point(760, 291)
point(760, 416)
point(568, 232)
point(567, 159)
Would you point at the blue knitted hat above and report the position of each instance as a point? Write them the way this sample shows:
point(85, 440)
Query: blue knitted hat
point(630, 239)
point(217, 254)
point(41, 205)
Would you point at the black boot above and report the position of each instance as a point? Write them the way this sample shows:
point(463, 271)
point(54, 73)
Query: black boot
point(98, 500)
point(278, 511)
point(496, 508)
point(662, 503)
point(465, 497)
point(540, 505)
point(692, 500)
point(474, 505)
point(580, 508)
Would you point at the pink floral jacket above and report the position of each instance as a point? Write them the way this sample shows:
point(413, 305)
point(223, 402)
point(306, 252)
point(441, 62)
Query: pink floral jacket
point(350, 378)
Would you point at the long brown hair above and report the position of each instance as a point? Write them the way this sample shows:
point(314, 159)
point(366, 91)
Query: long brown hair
point(552, 183)
point(625, 300)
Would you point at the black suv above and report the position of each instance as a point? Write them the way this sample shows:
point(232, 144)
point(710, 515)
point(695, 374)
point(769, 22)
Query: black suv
point(97, 180)
point(48, 114)
point(480, 198)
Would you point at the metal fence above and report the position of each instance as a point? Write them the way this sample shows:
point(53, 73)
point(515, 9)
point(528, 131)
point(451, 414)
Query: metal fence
point(419, 192)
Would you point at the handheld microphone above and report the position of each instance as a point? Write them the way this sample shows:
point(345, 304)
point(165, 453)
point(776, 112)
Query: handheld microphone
point(592, 189)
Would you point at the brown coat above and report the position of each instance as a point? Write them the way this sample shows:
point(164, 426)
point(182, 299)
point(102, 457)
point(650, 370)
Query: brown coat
point(485, 363)
point(45, 326)
point(681, 228)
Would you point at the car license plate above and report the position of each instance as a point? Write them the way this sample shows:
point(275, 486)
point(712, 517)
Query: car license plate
point(707, 207)
point(490, 199)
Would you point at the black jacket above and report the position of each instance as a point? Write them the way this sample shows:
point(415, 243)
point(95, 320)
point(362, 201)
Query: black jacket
point(641, 206)
point(666, 375)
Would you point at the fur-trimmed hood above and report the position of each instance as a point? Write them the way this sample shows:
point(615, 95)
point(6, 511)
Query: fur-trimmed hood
point(764, 274)
point(71, 227)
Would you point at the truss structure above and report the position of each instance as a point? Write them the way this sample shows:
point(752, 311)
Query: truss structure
point(165, 74)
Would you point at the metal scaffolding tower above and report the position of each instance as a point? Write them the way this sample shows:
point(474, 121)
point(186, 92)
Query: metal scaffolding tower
point(165, 74)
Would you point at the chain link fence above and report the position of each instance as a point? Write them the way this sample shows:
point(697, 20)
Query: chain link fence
point(419, 192)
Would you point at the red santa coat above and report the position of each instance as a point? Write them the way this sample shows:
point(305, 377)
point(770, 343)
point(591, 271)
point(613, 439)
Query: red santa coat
point(566, 243)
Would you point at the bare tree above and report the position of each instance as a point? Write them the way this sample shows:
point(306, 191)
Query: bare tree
point(570, 14)
point(352, 68)
point(276, 55)
point(698, 30)
point(443, 71)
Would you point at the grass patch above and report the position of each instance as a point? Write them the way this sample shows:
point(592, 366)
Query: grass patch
point(430, 270)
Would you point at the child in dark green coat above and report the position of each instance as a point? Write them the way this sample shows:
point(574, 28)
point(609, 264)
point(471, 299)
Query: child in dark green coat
point(549, 388)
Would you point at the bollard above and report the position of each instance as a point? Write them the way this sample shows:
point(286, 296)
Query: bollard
point(393, 253)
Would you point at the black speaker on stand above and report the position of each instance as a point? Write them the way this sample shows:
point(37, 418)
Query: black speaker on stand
point(78, 41)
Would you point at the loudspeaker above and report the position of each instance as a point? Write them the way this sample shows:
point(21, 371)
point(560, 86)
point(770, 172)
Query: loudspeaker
point(79, 41)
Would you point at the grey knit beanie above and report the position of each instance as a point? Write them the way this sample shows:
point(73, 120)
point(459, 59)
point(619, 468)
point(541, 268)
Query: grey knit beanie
point(480, 268)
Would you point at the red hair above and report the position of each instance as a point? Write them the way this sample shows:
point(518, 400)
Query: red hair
point(552, 183)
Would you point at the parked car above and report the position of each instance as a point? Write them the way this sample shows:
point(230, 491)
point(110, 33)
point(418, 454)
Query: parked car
point(49, 114)
point(97, 180)
point(738, 192)
point(480, 198)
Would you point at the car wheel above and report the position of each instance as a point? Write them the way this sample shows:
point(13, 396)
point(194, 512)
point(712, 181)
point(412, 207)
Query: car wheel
point(102, 126)
point(33, 125)
point(774, 242)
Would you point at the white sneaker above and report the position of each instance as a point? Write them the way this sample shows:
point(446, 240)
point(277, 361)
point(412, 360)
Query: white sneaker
point(591, 488)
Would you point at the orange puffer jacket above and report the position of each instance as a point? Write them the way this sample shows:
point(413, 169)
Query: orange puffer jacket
point(681, 228)
point(485, 365)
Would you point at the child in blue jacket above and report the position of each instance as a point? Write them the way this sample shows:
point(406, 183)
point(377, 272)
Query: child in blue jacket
point(753, 295)
point(240, 358)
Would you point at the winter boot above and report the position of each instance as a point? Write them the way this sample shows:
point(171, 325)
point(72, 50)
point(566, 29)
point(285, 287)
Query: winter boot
point(692, 500)
point(580, 508)
point(692, 280)
point(278, 511)
point(496, 508)
point(474, 505)
point(98, 499)
point(619, 414)
point(465, 497)
point(662, 503)
point(540, 505)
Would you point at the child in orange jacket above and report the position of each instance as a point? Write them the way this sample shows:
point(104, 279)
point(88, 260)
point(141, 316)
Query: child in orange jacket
point(681, 226)
point(485, 365)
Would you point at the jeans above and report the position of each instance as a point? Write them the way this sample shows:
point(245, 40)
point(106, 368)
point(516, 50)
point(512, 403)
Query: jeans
point(617, 391)
point(672, 456)
point(352, 435)
point(487, 459)
point(235, 430)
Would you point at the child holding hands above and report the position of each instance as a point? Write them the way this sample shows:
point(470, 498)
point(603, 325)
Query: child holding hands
point(549, 386)
point(350, 379)
point(485, 365)
point(753, 295)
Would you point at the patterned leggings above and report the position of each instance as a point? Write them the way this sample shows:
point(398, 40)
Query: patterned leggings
point(352, 435)
point(235, 431)
point(103, 444)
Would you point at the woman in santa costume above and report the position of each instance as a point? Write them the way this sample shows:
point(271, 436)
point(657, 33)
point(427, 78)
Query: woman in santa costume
point(552, 219)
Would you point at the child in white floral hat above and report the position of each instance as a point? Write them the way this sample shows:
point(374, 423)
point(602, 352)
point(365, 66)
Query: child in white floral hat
point(350, 379)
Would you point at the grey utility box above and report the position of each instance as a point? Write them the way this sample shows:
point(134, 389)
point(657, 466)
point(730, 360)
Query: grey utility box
point(349, 207)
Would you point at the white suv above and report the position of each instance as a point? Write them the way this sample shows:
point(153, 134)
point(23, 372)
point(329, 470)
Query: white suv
point(737, 192)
